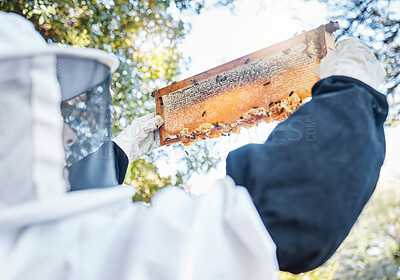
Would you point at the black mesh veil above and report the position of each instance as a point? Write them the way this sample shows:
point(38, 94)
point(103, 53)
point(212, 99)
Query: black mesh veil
point(89, 117)
point(86, 111)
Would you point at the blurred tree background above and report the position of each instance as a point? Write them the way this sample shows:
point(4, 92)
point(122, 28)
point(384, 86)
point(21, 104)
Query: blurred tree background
point(146, 37)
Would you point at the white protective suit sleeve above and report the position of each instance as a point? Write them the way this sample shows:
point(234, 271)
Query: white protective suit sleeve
point(140, 137)
point(218, 235)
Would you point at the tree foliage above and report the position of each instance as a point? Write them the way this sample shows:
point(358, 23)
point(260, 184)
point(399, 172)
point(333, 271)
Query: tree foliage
point(146, 186)
point(377, 23)
point(143, 34)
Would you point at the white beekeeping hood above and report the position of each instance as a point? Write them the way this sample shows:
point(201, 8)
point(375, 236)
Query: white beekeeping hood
point(35, 78)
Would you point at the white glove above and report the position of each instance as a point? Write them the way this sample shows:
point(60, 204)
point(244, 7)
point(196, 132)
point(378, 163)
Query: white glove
point(140, 137)
point(354, 59)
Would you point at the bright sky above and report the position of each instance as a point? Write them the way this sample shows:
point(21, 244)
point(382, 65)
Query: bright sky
point(219, 36)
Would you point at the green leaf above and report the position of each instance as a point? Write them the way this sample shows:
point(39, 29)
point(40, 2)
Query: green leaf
point(41, 20)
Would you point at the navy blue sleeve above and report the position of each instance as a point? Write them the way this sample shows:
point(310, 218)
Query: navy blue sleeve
point(312, 177)
point(103, 168)
point(121, 163)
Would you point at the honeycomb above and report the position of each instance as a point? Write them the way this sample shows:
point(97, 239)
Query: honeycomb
point(255, 88)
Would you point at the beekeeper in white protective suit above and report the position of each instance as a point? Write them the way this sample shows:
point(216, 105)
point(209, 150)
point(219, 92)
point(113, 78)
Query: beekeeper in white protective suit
point(49, 233)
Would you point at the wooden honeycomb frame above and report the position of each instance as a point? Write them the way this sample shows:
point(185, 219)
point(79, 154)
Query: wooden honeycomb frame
point(266, 85)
